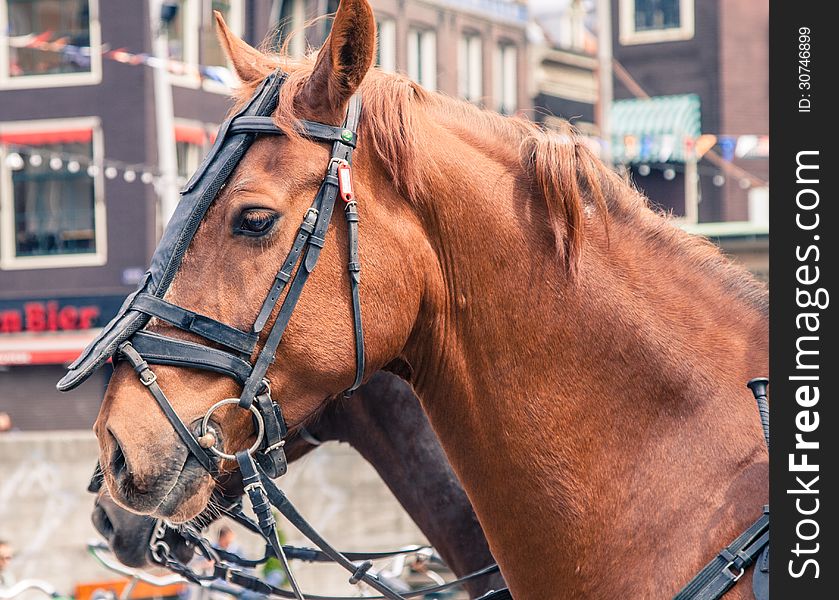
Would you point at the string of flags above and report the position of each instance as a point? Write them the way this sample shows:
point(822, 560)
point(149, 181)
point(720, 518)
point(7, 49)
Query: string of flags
point(664, 148)
point(81, 57)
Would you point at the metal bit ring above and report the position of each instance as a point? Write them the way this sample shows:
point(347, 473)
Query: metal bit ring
point(260, 427)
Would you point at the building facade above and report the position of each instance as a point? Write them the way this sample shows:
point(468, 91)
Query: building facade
point(717, 53)
point(79, 208)
point(698, 145)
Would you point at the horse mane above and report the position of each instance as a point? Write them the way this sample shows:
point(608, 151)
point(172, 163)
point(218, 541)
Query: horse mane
point(570, 179)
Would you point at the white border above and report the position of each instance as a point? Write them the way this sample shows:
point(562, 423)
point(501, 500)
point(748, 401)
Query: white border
point(8, 260)
point(92, 77)
point(628, 35)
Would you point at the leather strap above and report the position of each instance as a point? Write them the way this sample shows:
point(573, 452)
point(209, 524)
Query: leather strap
point(149, 379)
point(284, 274)
point(261, 506)
point(193, 322)
point(354, 267)
point(320, 132)
point(162, 350)
point(720, 575)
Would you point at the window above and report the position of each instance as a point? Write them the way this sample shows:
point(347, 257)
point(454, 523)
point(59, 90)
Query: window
point(192, 40)
point(469, 68)
point(290, 19)
point(651, 21)
point(27, 57)
point(51, 210)
point(422, 57)
point(386, 48)
point(180, 33)
point(211, 51)
point(191, 139)
point(506, 79)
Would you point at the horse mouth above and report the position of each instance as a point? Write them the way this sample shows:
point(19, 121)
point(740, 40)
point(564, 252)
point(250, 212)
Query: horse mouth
point(178, 491)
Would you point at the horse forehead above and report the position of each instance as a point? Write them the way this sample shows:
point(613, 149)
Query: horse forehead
point(282, 158)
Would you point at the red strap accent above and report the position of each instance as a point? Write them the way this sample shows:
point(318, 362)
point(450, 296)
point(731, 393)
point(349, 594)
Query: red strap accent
point(345, 183)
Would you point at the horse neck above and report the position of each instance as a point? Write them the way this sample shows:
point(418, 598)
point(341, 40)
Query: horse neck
point(386, 425)
point(569, 407)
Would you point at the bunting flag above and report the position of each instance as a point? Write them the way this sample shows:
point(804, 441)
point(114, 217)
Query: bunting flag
point(704, 143)
point(667, 147)
point(630, 144)
point(745, 145)
point(81, 55)
point(646, 147)
point(727, 146)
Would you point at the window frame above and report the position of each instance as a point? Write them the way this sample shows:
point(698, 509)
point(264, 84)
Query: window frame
point(383, 20)
point(467, 75)
point(426, 39)
point(91, 77)
point(197, 11)
point(629, 36)
point(500, 85)
point(8, 259)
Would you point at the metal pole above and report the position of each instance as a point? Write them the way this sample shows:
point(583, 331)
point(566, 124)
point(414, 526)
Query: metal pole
point(167, 185)
point(604, 71)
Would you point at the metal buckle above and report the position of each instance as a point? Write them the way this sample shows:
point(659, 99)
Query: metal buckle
point(273, 447)
point(734, 577)
point(313, 212)
point(150, 380)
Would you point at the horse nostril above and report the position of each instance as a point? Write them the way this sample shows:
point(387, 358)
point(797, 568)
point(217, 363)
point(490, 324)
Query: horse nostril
point(118, 464)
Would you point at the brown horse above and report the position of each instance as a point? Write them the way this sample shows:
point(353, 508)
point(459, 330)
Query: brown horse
point(581, 359)
point(385, 424)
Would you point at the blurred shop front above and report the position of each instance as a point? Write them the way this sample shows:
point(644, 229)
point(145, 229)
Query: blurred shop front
point(38, 338)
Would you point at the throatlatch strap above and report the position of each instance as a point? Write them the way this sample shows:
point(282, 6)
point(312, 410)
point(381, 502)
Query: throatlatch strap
point(149, 379)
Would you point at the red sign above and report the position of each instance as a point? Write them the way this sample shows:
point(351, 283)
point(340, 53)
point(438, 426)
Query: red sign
point(39, 317)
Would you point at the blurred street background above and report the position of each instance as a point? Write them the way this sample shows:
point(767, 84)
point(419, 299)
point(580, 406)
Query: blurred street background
point(107, 107)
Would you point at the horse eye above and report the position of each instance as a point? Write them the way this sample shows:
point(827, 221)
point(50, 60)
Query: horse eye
point(256, 222)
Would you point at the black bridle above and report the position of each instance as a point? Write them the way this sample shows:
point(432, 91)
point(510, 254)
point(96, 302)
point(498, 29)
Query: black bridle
point(125, 338)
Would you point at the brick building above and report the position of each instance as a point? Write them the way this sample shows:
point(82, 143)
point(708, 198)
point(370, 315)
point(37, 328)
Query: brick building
point(705, 65)
point(708, 58)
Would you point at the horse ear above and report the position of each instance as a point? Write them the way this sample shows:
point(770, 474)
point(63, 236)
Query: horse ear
point(248, 62)
point(344, 59)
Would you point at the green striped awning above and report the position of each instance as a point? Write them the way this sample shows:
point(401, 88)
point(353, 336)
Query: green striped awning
point(654, 129)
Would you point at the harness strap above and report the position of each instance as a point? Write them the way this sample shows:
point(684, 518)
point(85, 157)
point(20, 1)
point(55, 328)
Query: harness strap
point(310, 129)
point(284, 274)
point(162, 350)
point(263, 492)
point(354, 267)
point(720, 575)
point(272, 457)
point(324, 204)
point(206, 327)
point(149, 379)
point(265, 517)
